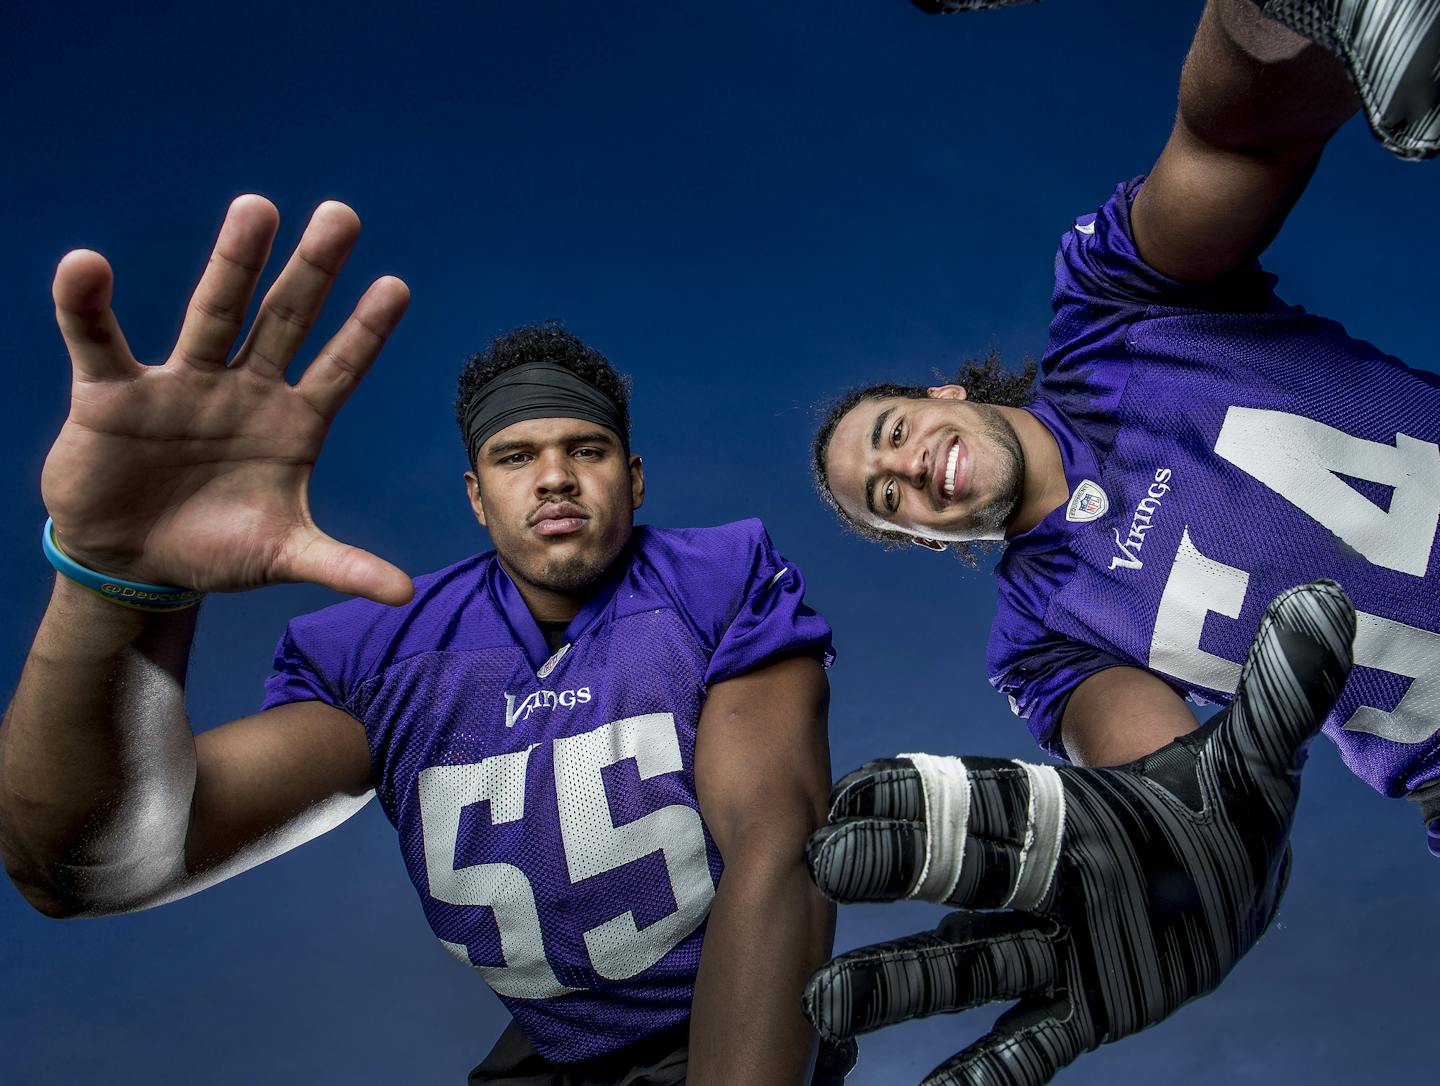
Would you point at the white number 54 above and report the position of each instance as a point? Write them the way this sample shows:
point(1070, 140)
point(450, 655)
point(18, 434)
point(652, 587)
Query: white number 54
point(1298, 458)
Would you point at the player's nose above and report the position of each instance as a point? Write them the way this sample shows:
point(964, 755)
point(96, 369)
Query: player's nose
point(910, 462)
point(556, 473)
point(917, 464)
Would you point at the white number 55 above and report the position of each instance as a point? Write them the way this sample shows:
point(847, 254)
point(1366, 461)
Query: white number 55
point(593, 845)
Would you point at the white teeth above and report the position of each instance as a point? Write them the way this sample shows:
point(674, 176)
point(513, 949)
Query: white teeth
point(950, 469)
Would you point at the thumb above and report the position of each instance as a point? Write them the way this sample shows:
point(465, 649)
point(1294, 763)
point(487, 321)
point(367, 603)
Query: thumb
point(315, 558)
point(1297, 666)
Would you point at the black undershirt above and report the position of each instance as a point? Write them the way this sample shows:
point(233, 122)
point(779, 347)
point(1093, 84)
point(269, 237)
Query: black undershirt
point(554, 633)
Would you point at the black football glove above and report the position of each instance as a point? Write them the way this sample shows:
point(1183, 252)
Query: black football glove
point(1122, 893)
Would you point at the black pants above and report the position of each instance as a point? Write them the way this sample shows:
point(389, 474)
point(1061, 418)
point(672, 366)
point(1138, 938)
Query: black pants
point(660, 1060)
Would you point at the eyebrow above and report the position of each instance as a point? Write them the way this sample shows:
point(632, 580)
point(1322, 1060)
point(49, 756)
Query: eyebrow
point(875, 444)
point(500, 448)
point(589, 437)
point(879, 425)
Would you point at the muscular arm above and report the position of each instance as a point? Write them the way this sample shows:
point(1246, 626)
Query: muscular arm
point(108, 803)
point(1122, 714)
point(762, 768)
point(1257, 105)
point(192, 472)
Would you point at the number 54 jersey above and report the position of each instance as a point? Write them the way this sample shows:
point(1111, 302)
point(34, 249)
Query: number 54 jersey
point(545, 802)
point(1221, 446)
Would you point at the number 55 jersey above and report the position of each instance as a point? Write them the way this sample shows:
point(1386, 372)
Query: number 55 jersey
point(1221, 446)
point(545, 801)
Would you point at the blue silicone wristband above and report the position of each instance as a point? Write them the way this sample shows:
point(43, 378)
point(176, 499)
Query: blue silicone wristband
point(132, 594)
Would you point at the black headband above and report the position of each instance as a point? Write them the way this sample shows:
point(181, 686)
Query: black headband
point(538, 390)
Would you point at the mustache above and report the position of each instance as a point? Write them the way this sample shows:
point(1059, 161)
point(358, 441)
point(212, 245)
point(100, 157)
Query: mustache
point(563, 508)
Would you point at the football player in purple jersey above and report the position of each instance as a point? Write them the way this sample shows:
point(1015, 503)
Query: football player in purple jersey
point(602, 746)
point(1195, 446)
point(1180, 403)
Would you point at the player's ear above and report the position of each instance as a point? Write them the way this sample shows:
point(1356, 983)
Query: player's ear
point(637, 482)
point(472, 491)
point(929, 544)
point(946, 392)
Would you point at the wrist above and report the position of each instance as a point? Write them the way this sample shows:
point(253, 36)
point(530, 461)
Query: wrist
point(119, 591)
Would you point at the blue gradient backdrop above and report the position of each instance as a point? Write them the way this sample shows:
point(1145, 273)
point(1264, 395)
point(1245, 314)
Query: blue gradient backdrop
point(747, 206)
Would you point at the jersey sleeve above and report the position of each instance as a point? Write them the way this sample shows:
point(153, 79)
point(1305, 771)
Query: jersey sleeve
point(772, 618)
point(1098, 265)
point(1036, 668)
point(297, 676)
point(326, 654)
point(1039, 683)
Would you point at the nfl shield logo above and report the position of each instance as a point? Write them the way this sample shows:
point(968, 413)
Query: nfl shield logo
point(549, 665)
point(1087, 502)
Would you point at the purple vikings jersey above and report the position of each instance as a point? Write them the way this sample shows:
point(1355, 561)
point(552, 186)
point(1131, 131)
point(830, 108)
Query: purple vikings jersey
point(1221, 446)
point(545, 802)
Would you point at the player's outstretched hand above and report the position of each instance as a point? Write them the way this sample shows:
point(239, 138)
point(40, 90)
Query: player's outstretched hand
point(196, 472)
point(1124, 892)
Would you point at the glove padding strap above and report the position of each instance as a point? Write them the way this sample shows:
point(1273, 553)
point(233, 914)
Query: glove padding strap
point(1044, 836)
point(945, 784)
point(946, 788)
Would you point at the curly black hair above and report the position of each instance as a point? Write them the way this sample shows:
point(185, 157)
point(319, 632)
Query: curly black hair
point(985, 380)
point(543, 342)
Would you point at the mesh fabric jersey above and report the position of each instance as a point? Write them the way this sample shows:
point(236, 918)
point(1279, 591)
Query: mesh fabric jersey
point(1222, 446)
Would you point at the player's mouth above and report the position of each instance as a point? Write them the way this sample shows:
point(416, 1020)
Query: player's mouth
point(557, 519)
point(953, 476)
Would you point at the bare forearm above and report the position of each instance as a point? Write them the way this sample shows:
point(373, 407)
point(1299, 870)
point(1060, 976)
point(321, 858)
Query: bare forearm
point(767, 932)
point(97, 761)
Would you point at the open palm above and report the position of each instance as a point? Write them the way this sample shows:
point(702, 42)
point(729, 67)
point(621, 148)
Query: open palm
point(196, 472)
